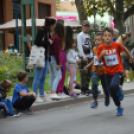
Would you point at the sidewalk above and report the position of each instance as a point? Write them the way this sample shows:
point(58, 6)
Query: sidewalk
point(127, 87)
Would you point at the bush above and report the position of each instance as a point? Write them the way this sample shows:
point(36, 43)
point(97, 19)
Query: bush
point(9, 67)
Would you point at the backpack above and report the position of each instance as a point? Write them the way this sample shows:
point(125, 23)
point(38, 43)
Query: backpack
point(66, 90)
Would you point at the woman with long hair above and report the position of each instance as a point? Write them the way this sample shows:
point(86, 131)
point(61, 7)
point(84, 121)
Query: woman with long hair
point(123, 39)
point(60, 87)
point(68, 37)
point(43, 39)
point(55, 64)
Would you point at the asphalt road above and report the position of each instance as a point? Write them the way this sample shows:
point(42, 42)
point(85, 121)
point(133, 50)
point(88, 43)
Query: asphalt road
point(74, 119)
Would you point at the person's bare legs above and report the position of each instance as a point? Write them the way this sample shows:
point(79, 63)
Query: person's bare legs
point(71, 87)
point(127, 75)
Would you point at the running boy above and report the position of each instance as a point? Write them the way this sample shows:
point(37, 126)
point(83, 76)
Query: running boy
point(6, 104)
point(109, 53)
point(22, 97)
point(98, 73)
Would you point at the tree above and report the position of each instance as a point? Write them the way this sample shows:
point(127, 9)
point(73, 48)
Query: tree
point(119, 9)
point(57, 4)
point(82, 13)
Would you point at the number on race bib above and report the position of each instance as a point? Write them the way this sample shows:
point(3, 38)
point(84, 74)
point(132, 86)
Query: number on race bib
point(111, 60)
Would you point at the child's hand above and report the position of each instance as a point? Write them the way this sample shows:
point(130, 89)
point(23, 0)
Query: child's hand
point(34, 95)
point(51, 42)
point(86, 68)
point(103, 52)
point(78, 61)
point(131, 60)
point(58, 67)
point(85, 60)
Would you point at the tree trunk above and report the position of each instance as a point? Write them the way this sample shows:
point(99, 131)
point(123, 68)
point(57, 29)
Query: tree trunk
point(82, 14)
point(120, 23)
point(119, 16)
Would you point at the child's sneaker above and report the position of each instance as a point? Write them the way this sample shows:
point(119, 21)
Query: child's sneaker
point(120, 94)
point(120, 111)
point(107, 101)
point(94, 105)
point(73, 95)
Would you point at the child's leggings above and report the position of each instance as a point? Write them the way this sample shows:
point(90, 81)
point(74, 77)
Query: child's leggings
point(72, 73)
point(62, 81)
point(95, 79)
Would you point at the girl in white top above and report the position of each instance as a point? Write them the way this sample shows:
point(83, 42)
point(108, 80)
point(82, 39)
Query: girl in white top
point(72, 60)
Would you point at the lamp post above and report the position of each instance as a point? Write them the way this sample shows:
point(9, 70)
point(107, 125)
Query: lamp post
point(94, 14)
point(16, 18)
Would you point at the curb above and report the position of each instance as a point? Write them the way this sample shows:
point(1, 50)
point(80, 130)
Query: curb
point(65, 102)
point(70, 101)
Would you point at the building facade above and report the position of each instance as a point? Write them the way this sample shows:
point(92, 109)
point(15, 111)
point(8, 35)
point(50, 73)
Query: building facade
point(7, 13)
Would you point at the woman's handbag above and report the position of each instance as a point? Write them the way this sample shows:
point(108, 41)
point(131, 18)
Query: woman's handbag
point(37, 57)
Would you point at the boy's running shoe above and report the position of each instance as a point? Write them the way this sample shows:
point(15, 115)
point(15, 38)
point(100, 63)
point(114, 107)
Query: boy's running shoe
point(94, 105)
point(107, 101)
point(120, 111)
point(120, 94)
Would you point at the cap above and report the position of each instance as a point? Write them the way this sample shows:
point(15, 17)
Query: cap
point(85, 22)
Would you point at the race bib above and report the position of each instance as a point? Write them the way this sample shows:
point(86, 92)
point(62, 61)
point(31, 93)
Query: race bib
point(111, 60)
point(96, 62)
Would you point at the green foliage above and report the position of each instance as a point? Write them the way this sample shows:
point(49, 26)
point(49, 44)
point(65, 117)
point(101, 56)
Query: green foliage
point(57, 4)
point(9, 67)
point(106, 6)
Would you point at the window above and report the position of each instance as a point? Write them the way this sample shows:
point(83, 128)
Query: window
point(43, 10)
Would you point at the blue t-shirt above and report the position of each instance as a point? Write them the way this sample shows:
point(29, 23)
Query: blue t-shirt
point(17, 89)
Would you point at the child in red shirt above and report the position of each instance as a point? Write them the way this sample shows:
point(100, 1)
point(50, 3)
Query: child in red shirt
point(109, 53)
